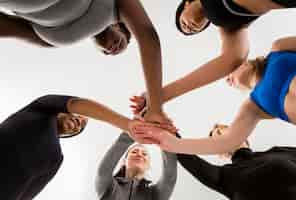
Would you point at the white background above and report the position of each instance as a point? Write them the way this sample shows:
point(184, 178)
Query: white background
point(28, 72)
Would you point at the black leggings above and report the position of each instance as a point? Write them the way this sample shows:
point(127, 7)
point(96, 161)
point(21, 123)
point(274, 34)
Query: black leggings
point(286, 3)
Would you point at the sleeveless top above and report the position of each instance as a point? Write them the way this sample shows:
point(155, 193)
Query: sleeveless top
point(269, 94)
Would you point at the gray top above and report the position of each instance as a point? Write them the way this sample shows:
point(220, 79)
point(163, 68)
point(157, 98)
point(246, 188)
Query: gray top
point(61, 22)
point(109, 187)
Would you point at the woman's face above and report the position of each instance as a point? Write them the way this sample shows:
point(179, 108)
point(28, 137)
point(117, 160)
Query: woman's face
point(242, 78)
point(69, 124)
point(192, 19)
point(138, 159)
point(113, 40)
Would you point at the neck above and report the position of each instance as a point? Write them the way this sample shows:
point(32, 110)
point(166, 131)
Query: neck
point(134, 174)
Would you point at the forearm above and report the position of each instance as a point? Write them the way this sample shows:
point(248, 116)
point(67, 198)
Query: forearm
point(206, 146)
point(150, 51)
point(109, 161)
point(15, 27)
point(206, 74)
point(166, 184)
point(98, 111)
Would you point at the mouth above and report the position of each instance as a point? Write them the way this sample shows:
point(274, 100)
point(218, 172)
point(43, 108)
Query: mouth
point(115, 48)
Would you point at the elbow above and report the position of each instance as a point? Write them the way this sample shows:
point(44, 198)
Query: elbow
point(234, 59)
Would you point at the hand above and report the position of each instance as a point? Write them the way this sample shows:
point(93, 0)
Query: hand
point(138, 104)
point(164, 139)
point(140, 138)
point(141, 112)
point(161, 121)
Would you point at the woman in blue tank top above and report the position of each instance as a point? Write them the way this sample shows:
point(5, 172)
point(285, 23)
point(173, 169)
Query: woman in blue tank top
point(273, 80)
point(109, 23)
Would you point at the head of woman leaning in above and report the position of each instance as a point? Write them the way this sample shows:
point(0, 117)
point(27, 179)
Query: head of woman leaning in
point(190, 18)
point(136, 163)
point(246, 76)
point(217, 131)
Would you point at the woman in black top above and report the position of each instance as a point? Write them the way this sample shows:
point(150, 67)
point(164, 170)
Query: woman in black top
point(251, 175)
point(30, 149)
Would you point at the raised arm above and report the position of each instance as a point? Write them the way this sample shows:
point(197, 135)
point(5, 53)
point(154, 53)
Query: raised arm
point(104, 178)
point(235, 48)
point(284, 44)
point(205, 172)
point(243, 125)
point(134, 16)
point(98, 111)
point(14, 27)
point(165, 185)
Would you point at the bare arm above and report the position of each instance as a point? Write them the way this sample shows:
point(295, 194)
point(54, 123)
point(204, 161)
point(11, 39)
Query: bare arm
point(134, 16)
point(236, 134)
point(243, 125)
point(284, 44)
point(14, 27)
point(235, 48)
point(98, 111)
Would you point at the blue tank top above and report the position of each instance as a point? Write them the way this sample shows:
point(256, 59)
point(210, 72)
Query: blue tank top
point(269, 94)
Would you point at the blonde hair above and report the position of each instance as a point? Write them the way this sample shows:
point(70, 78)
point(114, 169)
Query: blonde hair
point(258, 68)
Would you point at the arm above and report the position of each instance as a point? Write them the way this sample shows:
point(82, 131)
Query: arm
point(98, 111)
point(284, 44)
point(243, 125)
point(14, 27)
point(236, 134)
point(105, 171)
point(206, 173)
point(55, 104)
point(235, 48)
point(165, 185)
point(134, 16)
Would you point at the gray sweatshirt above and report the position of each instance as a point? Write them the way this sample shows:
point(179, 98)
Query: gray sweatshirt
point(109, 187)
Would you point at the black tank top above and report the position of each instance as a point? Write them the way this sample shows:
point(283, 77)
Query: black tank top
point(227, 14)
point(286, 3)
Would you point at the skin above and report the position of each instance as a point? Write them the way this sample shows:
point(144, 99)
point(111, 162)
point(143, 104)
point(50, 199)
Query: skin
point(137, 162)
point(239, 130)
point(191, 19)
point(217, 132)
point(112, 40)
point(70, 124)
point(98, 111)
point(242, 78)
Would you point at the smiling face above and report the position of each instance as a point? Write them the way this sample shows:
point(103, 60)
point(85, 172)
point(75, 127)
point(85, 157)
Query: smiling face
point(191, 19)
point(137, 160)
point(114, 39)
point(70, 125)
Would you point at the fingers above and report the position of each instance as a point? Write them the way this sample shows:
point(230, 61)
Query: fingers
point(138, 104)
